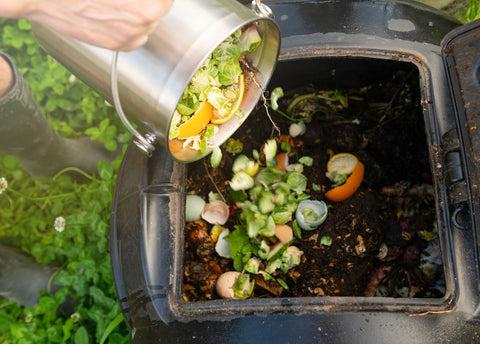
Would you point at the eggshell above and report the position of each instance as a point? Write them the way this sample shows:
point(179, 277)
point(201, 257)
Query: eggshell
point(284, 233)
point(194, 206)
point(225, 283)
point(222, 247)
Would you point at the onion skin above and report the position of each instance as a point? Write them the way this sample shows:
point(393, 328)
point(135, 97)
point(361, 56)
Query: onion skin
point(216, 213)
point(282, 160)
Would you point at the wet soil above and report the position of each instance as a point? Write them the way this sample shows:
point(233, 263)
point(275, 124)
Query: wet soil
point(383, 237)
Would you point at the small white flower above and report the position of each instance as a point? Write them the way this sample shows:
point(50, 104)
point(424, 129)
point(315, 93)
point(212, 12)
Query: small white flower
point(28, 318)
point(59, 224)
point(3, 184)
point(75, 317)
point(72, 78)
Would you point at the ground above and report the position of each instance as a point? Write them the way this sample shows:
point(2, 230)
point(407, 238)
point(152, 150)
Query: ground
point(383, 237)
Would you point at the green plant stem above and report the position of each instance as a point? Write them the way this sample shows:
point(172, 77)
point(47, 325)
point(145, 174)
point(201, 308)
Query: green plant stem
point(6, 304)
point(50, 197)
point(289, 117)
point(50, 280)
point(10, 201)
point(300, 99)
point(75, 169)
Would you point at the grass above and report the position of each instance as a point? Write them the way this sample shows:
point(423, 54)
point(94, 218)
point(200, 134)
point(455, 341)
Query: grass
point(473, 11)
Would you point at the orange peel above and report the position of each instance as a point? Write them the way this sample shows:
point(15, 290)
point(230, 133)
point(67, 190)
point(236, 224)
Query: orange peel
point(346, 190)
point(197, 122)
point(241, 87)
point(342, 163)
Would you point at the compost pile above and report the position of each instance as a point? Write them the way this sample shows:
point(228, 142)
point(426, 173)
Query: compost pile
point(384, 240)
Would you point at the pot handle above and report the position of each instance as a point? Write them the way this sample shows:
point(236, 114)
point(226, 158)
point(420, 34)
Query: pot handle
point(144, 143)
point(262, 10)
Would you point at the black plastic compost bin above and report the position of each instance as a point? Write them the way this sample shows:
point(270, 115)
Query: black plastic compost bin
point(336, 44)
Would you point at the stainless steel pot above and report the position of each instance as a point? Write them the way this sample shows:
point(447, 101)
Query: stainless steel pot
point(152, 79)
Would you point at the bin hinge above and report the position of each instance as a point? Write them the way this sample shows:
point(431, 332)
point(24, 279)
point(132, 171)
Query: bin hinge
point(454, 172)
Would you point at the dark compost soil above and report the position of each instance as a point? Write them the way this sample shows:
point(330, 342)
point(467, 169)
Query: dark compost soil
point(383, 236)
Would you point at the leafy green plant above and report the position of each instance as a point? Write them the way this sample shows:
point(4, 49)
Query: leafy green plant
point(70, 105)
point(64, 220)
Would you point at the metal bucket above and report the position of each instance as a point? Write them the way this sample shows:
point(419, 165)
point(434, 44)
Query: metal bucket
point(152, 79)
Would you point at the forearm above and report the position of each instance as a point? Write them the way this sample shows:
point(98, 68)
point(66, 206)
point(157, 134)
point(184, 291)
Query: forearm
point(16, 8)
point(111, 24)
point(6, 76)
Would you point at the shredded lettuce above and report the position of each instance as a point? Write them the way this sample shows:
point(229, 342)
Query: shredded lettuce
point(229, 72)
point(277, 93)
point(297, 182)
point(216, 81)
point(249, 41)
point(243, 287)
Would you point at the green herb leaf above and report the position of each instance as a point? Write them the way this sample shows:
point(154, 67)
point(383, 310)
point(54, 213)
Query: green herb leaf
point(238, 240)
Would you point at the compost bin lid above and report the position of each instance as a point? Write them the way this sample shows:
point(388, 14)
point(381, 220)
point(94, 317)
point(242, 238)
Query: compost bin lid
point(461, 56)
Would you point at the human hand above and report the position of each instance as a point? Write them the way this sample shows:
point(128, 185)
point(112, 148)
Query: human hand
point(111, 24)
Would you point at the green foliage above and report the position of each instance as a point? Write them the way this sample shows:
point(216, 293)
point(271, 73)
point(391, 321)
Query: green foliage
point(68, 103)
point(29, 208)
point(32, 210)
point(473, 10)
